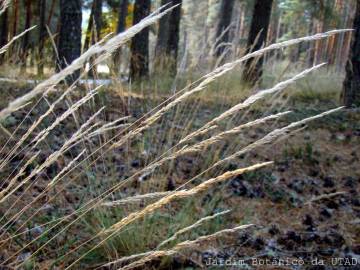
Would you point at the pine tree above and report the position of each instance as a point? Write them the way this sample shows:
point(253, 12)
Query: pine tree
point(69, 46)
point(168, 35)
point(257, 37)
point(95, 24)
point(4, 27)
point(42, 34)
point(95, 29)
point(225, 15)
point(25, 42)
point(122, 14)
point(139, 63)
point(121, 26)
point(163, 33)
point(351, 86)
point(97, 19)
point(172, 45)
point(15, 17)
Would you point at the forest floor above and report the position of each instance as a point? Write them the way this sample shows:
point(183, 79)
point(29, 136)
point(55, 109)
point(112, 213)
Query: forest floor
point(294, 221)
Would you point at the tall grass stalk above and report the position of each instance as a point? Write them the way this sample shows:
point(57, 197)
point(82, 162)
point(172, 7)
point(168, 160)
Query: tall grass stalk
point(184, 246)
point(104, 49)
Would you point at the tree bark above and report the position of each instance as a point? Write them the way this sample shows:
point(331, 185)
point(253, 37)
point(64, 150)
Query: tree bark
point(174, 29)
point(42, 35)
point(273, 31)
point(257, 37)
point(4, 26)
point(69, 46)
point(333, 40)
point(89, 29)
point(121, 26)
point(346, 42)
point(15, 17)
point(351, 85)
point(51, 12)
point(163, 33)
point(123, 12)
point(139, 62)
point(25, 43)
point(97, 20)
point(311, 45)
point(340, 38)
point(226, 10)
point(94, 31)
point(168, 37)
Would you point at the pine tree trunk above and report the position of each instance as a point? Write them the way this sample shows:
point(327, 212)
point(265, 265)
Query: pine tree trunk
point(25, 43)
point(4, 27)
point(311, 45)
point(333, 40)
point(346, 42)
point(89, 29)
point(69, 46)
point(257, 37)
point(239, 11)
point(42, 35)
point(163, 33)
point(51, 12)
point(95, 26)
point(121, 26)
point(319, 44)
point(93, 33)
point(97, 20)
point(351, 86)
point(172, 45)
point(168, 37)
point(340, 37)
point(225, 15)
point(15, 17)
point(273, 30)
point(139, 62)
point(123, 12)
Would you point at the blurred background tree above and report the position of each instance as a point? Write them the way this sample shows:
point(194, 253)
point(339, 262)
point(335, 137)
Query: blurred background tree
point(194, 37)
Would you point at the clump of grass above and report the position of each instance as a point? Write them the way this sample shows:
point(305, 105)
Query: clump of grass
point(91, 138)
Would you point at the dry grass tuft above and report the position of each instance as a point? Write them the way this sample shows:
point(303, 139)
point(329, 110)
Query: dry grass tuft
point(183, 246)
point(92, 127)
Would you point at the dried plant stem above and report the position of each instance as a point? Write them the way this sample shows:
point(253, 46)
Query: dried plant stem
point(126, 259)
point(4, 5)
point(249, 101)
point(325, 196)
point(65, 169)
point(191, 227)
point(42, 135)
point(19, 174)
point(186, 245)
point(114, 229)
point(276, 134)
point(55, 155)
point(182, 194)
point(267, 139)
point(137, 199)
point(7, 46)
